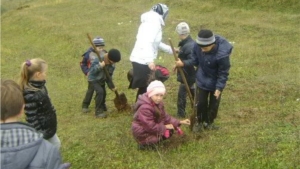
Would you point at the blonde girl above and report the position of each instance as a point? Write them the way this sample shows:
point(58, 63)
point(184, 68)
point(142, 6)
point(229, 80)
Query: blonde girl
point(40, 112)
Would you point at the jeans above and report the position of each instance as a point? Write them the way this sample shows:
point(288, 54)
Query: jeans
point(55, 141)
point(208, 105)
point(181, 99)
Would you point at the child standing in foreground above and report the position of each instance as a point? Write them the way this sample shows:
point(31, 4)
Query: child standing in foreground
point(21, 145)
point(151, 123)
point(40, 112)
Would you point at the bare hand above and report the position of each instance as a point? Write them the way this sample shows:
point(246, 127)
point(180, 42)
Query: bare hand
point(217, 93)
point(186, 121)
point(151, 66)
point(102, 64)
point(176, 50)
point(179, 63)
point(169, 126)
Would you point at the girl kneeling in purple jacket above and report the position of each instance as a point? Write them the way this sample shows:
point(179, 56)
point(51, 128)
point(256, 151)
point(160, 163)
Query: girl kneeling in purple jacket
point(151, 123)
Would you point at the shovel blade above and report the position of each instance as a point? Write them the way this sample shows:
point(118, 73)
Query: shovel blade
point(120, 102)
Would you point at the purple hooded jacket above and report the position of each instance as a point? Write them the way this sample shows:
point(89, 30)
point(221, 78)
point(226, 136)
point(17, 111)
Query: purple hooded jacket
point(146, 129)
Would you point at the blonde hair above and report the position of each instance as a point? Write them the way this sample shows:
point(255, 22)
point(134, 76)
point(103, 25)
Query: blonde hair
point(28, 69)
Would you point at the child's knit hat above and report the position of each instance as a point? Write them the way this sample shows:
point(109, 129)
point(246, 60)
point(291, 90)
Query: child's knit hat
point(156, 87)
point(98, 41)
point(183, 28)
point(205, 38)
point(114, 55)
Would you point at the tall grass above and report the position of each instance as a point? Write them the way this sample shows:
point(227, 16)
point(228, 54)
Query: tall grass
point(259, 114)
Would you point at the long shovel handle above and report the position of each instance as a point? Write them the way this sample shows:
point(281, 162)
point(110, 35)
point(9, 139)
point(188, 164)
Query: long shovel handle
point(182, 75)
point(105, 70)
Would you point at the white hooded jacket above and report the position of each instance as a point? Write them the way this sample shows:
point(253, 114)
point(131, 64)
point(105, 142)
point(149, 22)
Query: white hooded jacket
point(148, 39)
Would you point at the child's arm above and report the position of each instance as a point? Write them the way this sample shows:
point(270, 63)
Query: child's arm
point(171, 120)
point(109, 82)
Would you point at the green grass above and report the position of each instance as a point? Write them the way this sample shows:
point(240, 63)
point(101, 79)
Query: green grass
point(259, 112)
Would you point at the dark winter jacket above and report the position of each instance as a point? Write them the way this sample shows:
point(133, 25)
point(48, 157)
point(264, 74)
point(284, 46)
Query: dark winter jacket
point(213, 67)
point(24, 148)
point(185, 53)
point(146, 127)
point(87, 59)
point(39, 110)
point(97, 73)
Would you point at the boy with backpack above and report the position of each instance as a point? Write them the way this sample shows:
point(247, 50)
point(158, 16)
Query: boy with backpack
point(85, 64)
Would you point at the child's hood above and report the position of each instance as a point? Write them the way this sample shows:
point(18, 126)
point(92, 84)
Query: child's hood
point(152, 17)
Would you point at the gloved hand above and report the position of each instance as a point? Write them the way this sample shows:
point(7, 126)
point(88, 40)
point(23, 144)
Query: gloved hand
point(179, 131)
point(167, 134)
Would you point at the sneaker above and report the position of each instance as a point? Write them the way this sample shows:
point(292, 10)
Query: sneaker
point(101, 115)
point(211, 127)
point(85, 110)
point(198, 127)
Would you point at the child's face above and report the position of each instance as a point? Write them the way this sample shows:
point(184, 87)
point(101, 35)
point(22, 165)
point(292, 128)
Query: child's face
point(40, 76)
point(99, 48)
point(157, 98)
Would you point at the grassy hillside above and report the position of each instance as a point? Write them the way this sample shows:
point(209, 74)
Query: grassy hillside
point(259, 112)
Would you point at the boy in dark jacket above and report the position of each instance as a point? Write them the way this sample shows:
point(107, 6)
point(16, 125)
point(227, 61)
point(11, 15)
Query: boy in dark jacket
point(85, 65)
point(211, 57)
point(98, 77)
point(21, 146)
point(185, 54)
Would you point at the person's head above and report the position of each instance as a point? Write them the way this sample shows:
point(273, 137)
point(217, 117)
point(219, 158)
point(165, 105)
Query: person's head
point(206, 40)
point(114, 56)
point(99, 43)
point(183, 30)
point(33, 69)
point(161, 9)
point(156, 91)
point(12, 101)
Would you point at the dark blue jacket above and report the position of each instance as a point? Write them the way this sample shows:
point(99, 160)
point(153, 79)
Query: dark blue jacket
point(185, 53)
point(213, 67)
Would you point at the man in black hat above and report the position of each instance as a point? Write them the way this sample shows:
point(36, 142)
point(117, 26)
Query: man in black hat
point(211, 57)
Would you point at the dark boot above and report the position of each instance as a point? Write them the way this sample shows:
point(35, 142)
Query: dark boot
point(211, 126)
point(198, 127)
point(104, 107)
